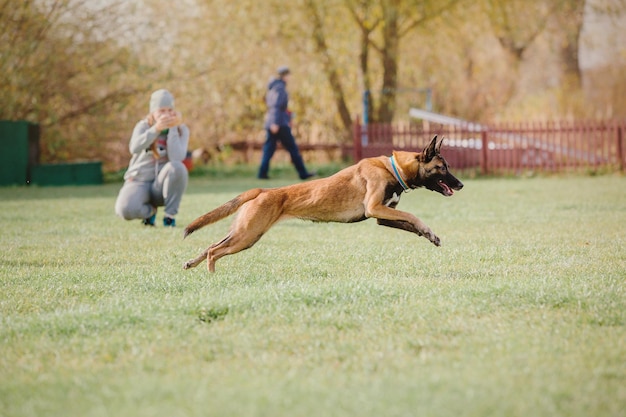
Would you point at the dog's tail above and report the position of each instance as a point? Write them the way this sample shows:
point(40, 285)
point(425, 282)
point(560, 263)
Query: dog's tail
point(222, 211)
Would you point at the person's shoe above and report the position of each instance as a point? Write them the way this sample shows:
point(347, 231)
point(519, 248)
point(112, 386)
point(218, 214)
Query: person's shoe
point(169, 222)
point(150, 220)
point(309, 175)
point(265, 177)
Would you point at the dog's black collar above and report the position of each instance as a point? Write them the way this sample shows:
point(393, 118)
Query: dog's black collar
point(396, 173)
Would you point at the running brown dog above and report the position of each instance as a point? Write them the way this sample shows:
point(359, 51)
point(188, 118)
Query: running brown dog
point(370, 188)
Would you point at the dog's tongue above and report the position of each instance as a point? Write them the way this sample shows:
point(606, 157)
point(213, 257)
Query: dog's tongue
point(447, 189)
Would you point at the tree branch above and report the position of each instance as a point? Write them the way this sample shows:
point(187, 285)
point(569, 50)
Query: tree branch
point(420, 21)
point(114, 96)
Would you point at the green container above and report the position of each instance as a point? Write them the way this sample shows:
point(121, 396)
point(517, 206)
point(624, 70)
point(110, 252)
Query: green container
point(19, 142)
point(78, 173)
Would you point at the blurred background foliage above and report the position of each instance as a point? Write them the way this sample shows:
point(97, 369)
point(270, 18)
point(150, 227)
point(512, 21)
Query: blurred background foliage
point(84, 69)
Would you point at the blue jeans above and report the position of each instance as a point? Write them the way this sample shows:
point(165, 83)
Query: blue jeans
point(286, 138)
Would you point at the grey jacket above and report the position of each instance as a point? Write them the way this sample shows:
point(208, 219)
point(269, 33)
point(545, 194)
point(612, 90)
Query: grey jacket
point(143, 164)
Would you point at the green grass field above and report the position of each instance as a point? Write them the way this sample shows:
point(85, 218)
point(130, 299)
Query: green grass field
point(521, 312)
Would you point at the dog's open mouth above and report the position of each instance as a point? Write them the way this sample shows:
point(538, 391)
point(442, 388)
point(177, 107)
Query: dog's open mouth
point(447, 191)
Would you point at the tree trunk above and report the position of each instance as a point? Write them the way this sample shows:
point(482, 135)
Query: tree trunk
point(330, 69)
point(572, 74)
point(363, 61)
point(389, 57)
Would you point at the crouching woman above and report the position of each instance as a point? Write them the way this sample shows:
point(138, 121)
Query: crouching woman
point(156, 175)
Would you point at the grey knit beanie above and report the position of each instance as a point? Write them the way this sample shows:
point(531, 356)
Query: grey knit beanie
point(161, 98)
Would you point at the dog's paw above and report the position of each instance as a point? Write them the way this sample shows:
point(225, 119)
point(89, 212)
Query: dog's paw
point(428, 234)
point(432, 237)
point(187, 265)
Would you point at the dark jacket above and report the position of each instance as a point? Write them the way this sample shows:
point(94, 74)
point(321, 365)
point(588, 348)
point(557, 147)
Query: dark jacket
point(277, 100)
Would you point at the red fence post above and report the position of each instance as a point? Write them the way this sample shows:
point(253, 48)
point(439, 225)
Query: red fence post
point(620, 147)
point(356, 140)
point(483, 138)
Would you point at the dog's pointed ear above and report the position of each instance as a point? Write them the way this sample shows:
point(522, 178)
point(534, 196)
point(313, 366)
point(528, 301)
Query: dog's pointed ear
point(438, 148)
point(430, 151)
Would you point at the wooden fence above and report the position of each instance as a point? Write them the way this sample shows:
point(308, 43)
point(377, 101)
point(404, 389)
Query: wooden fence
point(505, 148)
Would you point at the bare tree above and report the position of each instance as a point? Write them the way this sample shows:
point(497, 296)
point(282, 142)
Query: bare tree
point(321, 47)
point(63, 67)
point(390, 21)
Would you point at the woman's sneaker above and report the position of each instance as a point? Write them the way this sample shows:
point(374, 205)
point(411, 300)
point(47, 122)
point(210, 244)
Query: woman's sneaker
point(169, 222)
point(150, 220)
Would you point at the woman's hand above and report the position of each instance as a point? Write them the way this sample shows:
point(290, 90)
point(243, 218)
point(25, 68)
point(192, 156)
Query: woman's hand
point(167, 119)
point(178, 118)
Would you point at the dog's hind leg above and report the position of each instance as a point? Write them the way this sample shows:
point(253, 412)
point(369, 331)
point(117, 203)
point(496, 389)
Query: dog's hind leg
point(254, 219)
point(409, 227)
point(233, 244)
point(192, 263)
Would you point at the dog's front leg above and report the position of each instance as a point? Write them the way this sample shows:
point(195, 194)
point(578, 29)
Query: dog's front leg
point(404, 225)
point(392, 217)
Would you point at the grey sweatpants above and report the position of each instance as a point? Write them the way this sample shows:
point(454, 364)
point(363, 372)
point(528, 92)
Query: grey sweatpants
point(137, 199)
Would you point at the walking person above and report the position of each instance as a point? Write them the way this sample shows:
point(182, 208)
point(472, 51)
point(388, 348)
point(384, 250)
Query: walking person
point(278, 126)
point(156, 175)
